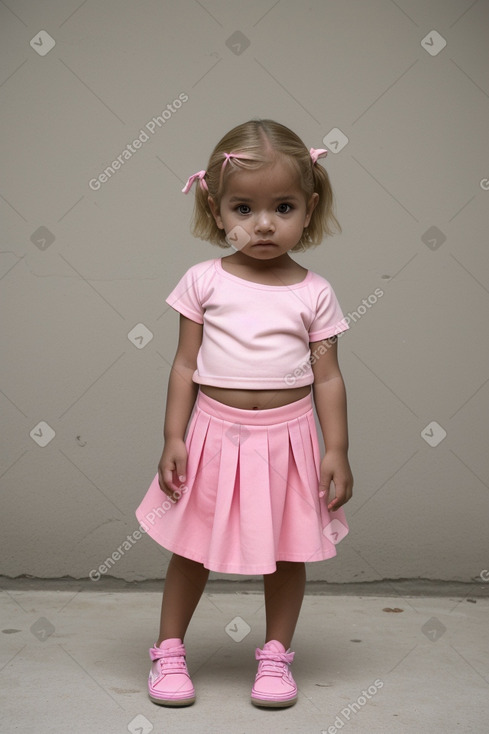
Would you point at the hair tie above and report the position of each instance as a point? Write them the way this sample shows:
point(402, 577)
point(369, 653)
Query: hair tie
point(316, 153)
point(238, 156)
point(200, 175)
point(228, 156)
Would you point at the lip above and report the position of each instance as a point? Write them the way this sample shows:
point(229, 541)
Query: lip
point(264, 243)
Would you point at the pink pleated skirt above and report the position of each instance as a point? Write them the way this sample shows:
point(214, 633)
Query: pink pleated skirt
point(251, 495)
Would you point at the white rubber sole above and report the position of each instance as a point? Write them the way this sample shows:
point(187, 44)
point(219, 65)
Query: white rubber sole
point(273, 704)
point(172, 702)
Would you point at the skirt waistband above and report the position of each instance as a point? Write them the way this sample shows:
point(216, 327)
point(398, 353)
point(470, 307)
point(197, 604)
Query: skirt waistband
point(265, 417)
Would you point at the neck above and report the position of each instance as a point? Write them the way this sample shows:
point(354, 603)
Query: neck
point(261, 265)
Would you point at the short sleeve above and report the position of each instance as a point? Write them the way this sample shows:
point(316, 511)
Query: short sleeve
point(186, 298)
point(328, 320)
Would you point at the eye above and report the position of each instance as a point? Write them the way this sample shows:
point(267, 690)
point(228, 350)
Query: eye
point(243, 209)
point(284, 208)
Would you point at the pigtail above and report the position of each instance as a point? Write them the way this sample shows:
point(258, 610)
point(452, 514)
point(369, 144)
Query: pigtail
point(323, 220)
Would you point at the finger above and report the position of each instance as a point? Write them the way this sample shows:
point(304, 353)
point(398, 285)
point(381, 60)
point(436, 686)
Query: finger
point(168, 481)
point(335, 504)
point(341, 495)
point(161, 481)
point(325, 484)
point(181, 469)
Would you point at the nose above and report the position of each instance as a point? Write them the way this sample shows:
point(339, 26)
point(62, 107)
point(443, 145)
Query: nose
point(264, 222)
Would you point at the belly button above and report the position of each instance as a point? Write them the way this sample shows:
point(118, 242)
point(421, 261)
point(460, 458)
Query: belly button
point(255, 407)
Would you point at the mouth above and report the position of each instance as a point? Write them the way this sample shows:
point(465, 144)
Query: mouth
point(259, 244)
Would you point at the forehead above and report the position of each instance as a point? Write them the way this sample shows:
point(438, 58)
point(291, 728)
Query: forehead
point(274, 179)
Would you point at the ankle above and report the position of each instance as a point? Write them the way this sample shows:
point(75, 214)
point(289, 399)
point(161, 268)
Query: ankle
point(177, 639)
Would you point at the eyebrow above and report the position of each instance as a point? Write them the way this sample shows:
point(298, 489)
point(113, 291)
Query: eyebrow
point(245, 199)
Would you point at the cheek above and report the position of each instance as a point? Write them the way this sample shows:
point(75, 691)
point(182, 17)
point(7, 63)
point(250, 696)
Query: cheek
point(225, 218)
point(301, 221)
point(231, 220)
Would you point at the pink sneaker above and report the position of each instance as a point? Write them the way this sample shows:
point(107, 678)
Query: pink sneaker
point(274, 684)
point(169, 683)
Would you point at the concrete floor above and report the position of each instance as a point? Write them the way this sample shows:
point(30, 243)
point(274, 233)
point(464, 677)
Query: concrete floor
point(74, 659)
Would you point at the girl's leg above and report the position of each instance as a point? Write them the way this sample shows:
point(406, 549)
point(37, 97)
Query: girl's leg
point(284, 592)
point(185, 581)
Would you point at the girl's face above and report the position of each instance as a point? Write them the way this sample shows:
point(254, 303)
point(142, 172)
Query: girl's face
point(264, 212)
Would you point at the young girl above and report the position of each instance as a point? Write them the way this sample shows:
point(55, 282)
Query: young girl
point(245, 491)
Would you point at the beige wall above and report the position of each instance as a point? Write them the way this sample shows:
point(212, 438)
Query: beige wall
point(82, 266)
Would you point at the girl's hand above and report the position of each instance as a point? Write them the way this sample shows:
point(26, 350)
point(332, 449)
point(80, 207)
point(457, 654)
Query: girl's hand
point(336, 468)
point(172, 467)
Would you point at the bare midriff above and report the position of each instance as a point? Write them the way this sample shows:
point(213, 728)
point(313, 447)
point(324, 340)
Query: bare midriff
point(255, 399)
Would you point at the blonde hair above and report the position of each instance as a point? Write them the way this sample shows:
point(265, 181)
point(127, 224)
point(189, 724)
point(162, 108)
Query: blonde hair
point(262, 142)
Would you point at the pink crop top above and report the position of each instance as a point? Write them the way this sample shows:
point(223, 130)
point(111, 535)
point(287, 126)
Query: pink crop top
point(256, 336)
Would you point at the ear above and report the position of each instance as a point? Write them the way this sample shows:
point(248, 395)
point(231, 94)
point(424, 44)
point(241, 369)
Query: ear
point(311, 205)
point(215, 212)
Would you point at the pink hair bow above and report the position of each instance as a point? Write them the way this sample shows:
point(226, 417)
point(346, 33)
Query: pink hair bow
point(316, 153)
point(200, 175)
point(227, 157)
point(238, 156)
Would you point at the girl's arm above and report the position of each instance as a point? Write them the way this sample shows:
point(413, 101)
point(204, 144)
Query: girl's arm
point(330, 400)
point(181, 395)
